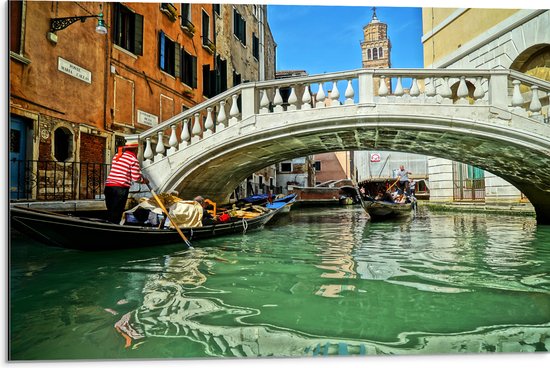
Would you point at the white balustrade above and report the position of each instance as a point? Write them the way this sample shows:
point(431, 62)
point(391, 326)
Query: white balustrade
point(320, 97)
point(292, 100)
point(399, 88)
point(479, 92)
point(264, 102)
point(462, 91)
point(430, 88)
point(334, 95)
point(159, 148)
point(209, 126)
point(148, 154)
point(278, 101)
point(173, 141)
point(349, 94)
point(383, 89)
point(414, 91)
point(234, 112)
point(535, 106)
point(185, 136)
point(196, 132)
point(222, 117)
point(306, 99)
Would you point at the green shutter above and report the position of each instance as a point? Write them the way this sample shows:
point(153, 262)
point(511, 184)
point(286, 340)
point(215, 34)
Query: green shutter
point(138, 35)
point(177, 60)
point(194, 71)
point(161, 50)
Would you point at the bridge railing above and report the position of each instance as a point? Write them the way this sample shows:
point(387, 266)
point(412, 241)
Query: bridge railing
point(509, 90)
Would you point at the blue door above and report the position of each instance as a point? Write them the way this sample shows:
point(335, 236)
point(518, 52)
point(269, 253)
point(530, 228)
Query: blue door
point(18, 155)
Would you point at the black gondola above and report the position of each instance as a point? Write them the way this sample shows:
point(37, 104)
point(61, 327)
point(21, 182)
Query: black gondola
point(92, 234)
point(380, 210)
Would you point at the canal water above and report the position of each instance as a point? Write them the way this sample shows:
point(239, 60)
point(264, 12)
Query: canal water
point(316, 282)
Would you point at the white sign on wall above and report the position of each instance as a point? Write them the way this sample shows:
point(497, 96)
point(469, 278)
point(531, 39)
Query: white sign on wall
point(147, 119)
point(375, 157)
point(74, 70)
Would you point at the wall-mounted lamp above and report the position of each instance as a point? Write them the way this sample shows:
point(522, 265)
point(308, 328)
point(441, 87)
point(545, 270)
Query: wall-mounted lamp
point(57, 24)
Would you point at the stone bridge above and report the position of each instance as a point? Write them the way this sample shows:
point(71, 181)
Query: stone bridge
point(487, 118)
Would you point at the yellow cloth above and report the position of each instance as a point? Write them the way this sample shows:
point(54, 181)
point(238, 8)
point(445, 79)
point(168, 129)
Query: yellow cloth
point(186, 214)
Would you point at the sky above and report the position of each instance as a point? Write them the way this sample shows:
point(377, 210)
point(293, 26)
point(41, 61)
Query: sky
point(326, 38)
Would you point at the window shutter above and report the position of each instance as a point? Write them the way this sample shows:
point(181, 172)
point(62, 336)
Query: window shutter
point(244, 32)
point(177, 60)
point(184, 13)
point(194, 70)
point(161, 50)
point(138, 35)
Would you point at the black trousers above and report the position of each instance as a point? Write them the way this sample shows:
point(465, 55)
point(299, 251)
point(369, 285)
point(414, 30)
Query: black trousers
point(115, 200)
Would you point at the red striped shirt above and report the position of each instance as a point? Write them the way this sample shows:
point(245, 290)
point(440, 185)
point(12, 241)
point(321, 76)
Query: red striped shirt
point(124, 170)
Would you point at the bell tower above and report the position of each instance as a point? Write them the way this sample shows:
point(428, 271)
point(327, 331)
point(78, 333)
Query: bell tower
point(376, 47)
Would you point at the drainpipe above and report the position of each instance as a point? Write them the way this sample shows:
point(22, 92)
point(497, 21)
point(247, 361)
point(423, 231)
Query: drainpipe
point(263, 8)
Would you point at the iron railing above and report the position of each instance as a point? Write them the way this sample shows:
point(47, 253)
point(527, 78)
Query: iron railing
point(56, 181)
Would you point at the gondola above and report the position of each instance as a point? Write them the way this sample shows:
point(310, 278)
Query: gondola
point(381, 210)
point(93, 234)
point(285, 203)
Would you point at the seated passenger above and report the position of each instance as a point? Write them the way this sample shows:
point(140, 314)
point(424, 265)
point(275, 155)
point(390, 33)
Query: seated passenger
point(207, 218)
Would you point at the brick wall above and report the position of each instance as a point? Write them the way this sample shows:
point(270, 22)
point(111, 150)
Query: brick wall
point(92, 148)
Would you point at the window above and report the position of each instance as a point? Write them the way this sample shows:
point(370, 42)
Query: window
point(255, 46)
point(188, 69)
point(286, 166)
point(63, 143)
point(16, 14)
point(239, 27)
point(221, 74)
point(380, 52)
point(217, 9)
point(170, 10)
point(369, 54)
point(208, 81)
point(317, 165)
point(186, 23)
point(128, 29)
point(169, 56)
point(206, 41)
point(236, 78)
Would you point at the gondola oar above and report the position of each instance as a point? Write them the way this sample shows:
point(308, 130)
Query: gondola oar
point(391, 186)
point(169, 217)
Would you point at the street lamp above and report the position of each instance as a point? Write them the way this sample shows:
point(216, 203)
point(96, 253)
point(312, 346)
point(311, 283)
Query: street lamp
point(57, 24)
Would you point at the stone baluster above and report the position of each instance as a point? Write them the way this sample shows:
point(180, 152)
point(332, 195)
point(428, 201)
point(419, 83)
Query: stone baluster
point(159, 149)
point(264, 102)
point(320, 97)
point(430, 89)
point(349, 94)
point(185, 136)
point(462, 92)
point(414, 91)
point(173, 141)
point(445, 91)
point(148, 154)
point(222, 117)
point(209, 127)
point(535, 106)
point(383, 89)
point(196, 132)
point(517, 97)
point(334, 95)
point(278, 101)
point(234, 112)
point(292, 100)
point(399, 88)
point(306, 98)
point(479, 92)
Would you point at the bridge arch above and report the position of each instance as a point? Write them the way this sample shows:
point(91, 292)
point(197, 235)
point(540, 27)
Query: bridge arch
point(498, 131)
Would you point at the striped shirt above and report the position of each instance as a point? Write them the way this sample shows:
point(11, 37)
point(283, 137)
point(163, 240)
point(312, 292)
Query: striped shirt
point(124, 171)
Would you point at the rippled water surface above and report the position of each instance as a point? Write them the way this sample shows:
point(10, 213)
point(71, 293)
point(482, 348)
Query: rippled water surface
point(316, 282)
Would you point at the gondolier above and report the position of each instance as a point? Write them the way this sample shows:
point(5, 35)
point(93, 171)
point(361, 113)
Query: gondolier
point(125, 169)
point(403, 175)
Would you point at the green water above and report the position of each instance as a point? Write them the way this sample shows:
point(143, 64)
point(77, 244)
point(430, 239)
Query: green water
point(316, 282)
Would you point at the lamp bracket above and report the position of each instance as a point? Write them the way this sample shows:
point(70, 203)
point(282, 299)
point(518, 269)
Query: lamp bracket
point(57, 24)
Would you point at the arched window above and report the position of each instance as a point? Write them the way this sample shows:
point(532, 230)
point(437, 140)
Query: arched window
point(63, 144)
point(375, 53)
point(380, 52)
point(369, 54)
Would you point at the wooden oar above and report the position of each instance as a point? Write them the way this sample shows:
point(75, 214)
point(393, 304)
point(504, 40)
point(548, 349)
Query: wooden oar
point(169, 217)
point(391, 186)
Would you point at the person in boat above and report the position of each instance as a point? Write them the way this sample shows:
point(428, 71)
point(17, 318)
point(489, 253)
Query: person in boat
point(385, 196)
point(207, 218)
point(403, 176)
point(125, 169)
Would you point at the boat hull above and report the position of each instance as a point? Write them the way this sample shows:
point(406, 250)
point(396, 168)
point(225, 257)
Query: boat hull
point(380, 210)
point(94, 234)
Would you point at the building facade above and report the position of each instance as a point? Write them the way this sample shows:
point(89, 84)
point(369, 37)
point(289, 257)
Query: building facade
point(75, 93)
point(488, 39)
